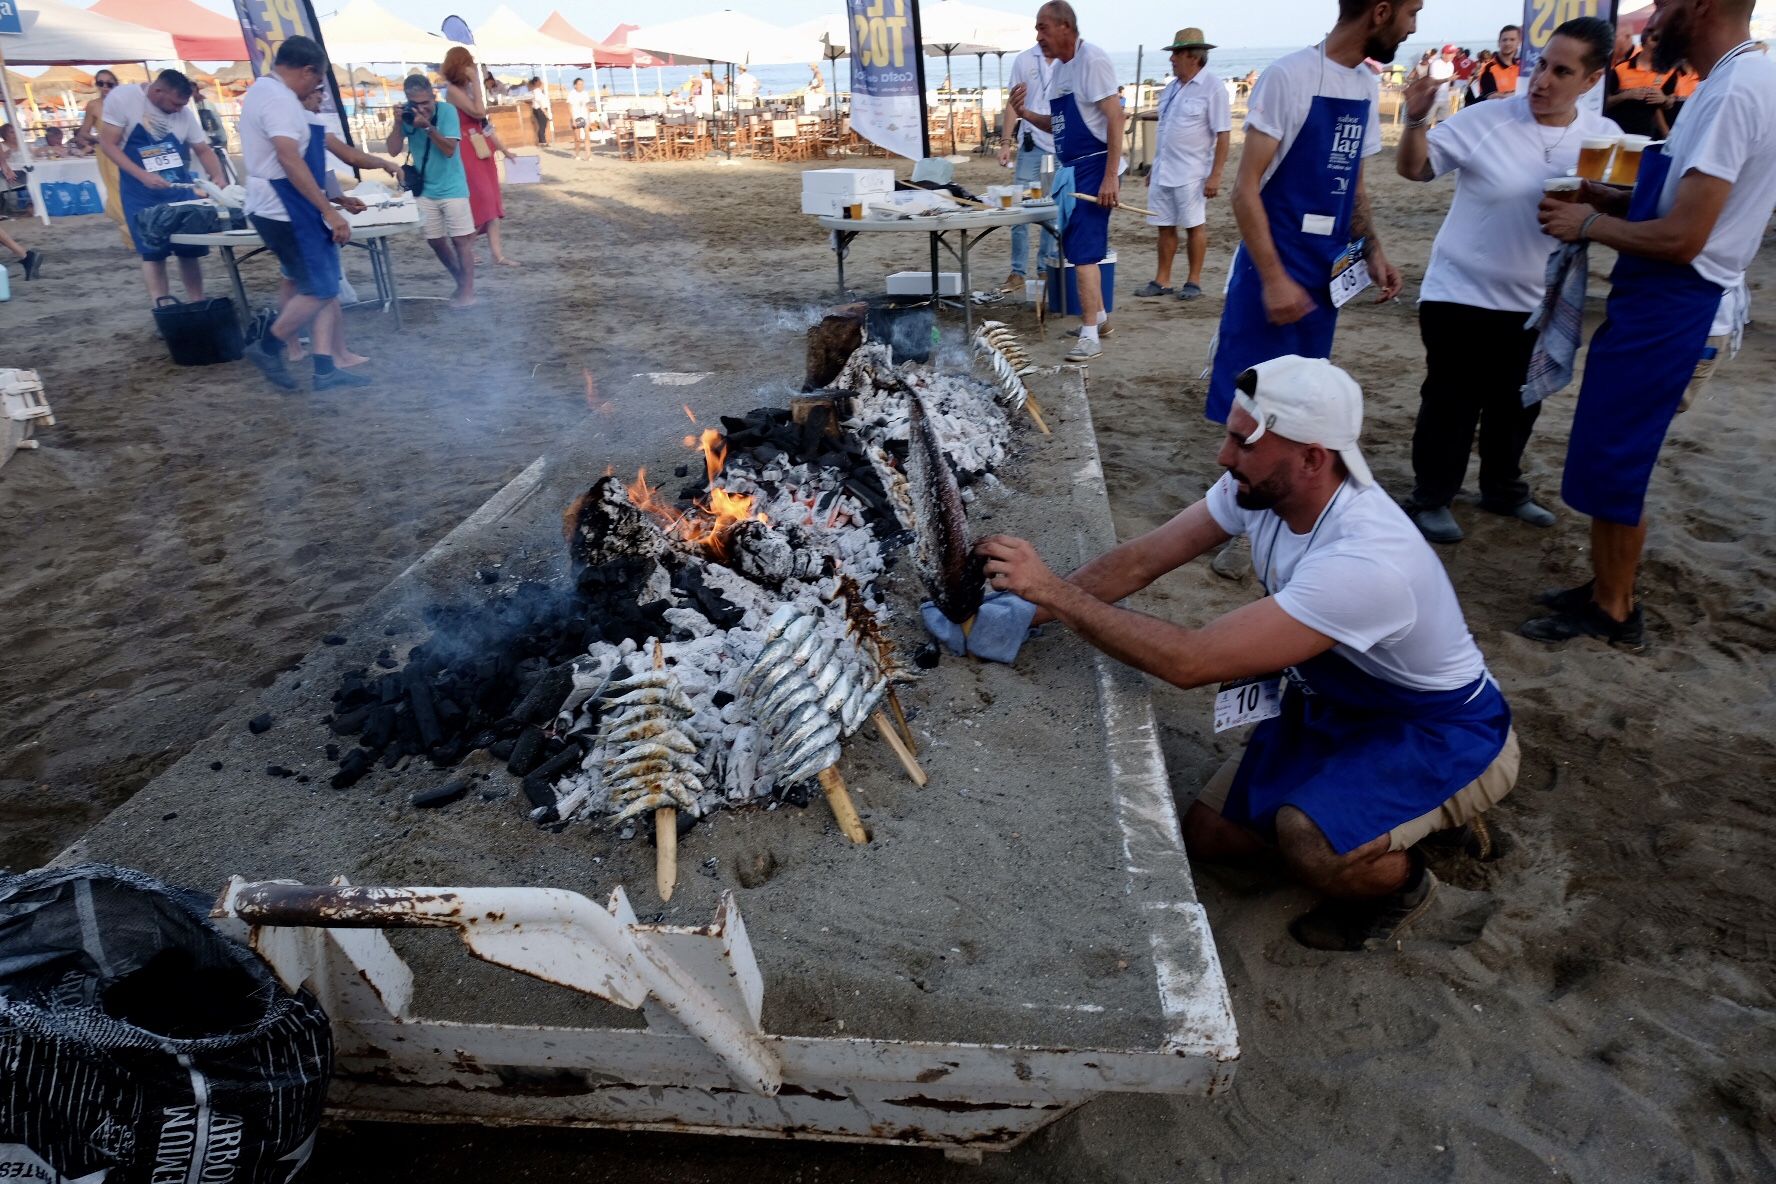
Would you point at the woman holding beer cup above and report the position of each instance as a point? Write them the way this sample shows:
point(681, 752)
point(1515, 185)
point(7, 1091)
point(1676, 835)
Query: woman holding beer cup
point(1488, 271)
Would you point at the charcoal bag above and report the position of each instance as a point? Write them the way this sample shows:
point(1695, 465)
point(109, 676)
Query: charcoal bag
point(138, 1044)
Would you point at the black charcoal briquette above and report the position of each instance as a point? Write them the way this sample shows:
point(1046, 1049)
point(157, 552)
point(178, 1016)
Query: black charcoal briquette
point(259, 723)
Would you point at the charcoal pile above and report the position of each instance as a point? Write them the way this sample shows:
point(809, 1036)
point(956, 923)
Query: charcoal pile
point(712, 649)
point(492, 676)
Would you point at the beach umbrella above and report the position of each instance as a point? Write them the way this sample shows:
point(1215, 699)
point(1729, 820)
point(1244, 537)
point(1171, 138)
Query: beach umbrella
point(952, 26)
point(364, 31)
point(198, 33)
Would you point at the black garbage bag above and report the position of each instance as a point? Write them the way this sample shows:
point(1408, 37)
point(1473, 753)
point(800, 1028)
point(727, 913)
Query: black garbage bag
point(138, 1045)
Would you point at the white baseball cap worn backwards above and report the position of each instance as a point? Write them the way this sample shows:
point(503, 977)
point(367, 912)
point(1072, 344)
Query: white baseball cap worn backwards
point(1309, 401)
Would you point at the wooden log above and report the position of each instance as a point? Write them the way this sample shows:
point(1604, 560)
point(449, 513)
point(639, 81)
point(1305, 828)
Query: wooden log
point(838, 796)
point(803, 406)
point(907, 760)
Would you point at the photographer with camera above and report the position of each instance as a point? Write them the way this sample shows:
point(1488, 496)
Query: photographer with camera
point(438, 181)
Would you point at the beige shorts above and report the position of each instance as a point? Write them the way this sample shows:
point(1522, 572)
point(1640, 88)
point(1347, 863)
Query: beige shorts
point(1470, 801)
point(1705, 370)
point(446, 217)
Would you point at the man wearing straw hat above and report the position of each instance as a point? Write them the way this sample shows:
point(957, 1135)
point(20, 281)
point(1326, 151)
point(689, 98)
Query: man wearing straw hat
point(1195, 120)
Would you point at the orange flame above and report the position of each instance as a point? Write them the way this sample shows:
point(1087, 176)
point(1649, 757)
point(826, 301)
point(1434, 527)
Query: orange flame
point(594, 400)
point(709, 521)
point(689, 414)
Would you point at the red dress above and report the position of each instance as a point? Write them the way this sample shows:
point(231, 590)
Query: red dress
point(484, 181)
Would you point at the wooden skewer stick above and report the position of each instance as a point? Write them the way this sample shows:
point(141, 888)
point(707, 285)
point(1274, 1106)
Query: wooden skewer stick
point(908, 761)
point(1121, 205)
point(1035, 410)
point(665, 825)
point(968, 628)
point(839, 798)
point(900, 722)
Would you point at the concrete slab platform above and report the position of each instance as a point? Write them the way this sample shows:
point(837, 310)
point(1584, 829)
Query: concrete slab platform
point(1036, 894)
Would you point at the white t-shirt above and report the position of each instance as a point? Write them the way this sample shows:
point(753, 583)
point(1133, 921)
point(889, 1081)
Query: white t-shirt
point(128, 106)
point(747, 85)
point(1191, 115)
point(1035, 73)
point(269, 109)
point(1491, 252)
point(1727, 129)
point(1284, 93)
point(539, 101)
point(1367, 579)
point(1443, 72)
point(578, 102)
point(1090, 78)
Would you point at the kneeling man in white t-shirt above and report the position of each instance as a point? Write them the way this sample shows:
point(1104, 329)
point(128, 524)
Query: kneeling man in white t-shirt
point(1378, 724)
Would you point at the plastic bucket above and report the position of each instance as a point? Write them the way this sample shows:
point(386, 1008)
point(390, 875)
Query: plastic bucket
point(1107, 269)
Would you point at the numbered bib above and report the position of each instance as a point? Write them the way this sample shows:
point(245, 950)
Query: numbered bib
point(162, 156)
point(1248, 701)
point(1350, 275)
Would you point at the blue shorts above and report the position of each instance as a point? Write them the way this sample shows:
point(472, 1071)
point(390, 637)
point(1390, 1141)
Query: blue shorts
point(1087, 237)
point(310, 260)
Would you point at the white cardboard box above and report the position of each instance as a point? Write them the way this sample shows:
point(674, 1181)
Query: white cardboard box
point(524, 170)
point(918, 283)
point(829, 191)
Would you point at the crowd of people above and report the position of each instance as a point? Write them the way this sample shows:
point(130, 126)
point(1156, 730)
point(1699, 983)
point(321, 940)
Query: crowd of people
point(1380, 730)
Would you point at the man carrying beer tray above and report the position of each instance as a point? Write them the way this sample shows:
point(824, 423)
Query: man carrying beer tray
point(1691, 226)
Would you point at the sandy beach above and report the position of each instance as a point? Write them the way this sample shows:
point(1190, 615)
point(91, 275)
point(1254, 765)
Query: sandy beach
point(1596, 1006)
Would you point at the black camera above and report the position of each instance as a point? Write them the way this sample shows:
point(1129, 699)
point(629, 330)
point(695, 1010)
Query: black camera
point(408, 111)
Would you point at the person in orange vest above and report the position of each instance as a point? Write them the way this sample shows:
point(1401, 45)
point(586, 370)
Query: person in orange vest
point(1499, 79)
point(1680, 84)
point(1634, 93)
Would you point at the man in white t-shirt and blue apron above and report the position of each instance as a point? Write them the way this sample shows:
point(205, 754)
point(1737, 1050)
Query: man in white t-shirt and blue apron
point(1378, 725)
point(1085, 116)
point(1300, 200)
point(151, 134)
point(1684, 237)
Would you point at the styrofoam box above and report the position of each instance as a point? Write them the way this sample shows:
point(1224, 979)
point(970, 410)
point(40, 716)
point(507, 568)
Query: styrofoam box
point(918, 283)
point(829, 191)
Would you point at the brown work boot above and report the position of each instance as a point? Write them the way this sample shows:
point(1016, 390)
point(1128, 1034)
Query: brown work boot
point(1353, 925)
point(1478, 840)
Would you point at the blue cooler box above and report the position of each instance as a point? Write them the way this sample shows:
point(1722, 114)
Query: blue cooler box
point(1107, 268)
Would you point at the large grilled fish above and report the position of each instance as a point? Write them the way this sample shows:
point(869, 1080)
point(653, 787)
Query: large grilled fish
point(953, 573)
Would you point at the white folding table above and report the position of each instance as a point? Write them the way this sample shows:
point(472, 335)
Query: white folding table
point(239, 245)
point(968, 225)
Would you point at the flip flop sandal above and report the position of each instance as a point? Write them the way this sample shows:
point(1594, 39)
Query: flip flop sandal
point(1190, 292)
point(1153, 289)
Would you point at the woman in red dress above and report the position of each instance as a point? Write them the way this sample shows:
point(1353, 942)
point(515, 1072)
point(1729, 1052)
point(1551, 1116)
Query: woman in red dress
point(463, 83)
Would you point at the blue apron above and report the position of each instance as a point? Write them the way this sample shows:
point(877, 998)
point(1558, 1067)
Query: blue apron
point(1086, 236)
point(1641, 361)
point(317, 273)
point(144, 148)
point(1317, 180)
point(1360, 755)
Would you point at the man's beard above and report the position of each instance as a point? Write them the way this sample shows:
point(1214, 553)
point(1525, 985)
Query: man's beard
point(1673, 48)
point(1265, 495)
point(1382, 51)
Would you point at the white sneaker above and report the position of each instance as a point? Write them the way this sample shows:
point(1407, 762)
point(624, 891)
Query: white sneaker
point(1085, 349)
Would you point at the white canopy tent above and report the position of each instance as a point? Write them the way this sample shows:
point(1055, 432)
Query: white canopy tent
point(364, 31)
point(60, 34)
point(728, 37)
point(503, 39)
point(57, 34)
point(833, 35)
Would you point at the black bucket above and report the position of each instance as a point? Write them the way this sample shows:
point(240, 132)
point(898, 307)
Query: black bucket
point(200, 333)
point(908, 324)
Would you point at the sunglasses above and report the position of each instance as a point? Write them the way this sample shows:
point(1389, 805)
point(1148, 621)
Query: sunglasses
point(104, 85)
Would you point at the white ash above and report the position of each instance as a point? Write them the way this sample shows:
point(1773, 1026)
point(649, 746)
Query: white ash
point(965, 413)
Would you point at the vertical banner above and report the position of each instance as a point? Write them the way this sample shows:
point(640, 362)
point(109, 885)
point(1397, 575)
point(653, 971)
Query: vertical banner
point(1542, 17)
point(887, 75)
point(267, 24)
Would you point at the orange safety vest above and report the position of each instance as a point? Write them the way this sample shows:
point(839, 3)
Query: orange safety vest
point(1685, 80)
point(1504, 78)
point(1630, 76)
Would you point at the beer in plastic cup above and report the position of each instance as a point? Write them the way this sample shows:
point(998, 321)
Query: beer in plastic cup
point(1625, 170)
point(1034, 193)
point(1594, 156)
point(1563, 188)
point(1008, 199)
point(854, 210)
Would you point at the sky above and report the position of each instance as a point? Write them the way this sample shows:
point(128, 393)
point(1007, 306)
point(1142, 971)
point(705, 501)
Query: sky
point(1115, 25)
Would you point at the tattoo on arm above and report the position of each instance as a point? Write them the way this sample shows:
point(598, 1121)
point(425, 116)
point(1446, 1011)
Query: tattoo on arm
point(1362, 222)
